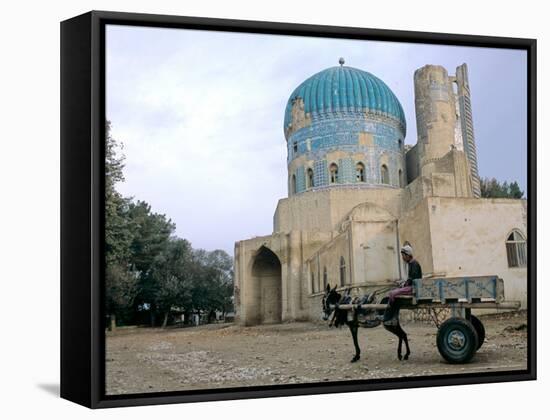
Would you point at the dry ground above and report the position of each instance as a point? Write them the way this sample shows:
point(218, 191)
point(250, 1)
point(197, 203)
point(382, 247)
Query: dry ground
point(225, 355)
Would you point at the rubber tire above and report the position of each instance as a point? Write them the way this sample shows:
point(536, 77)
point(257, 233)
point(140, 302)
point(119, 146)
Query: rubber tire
point(470, 346)
point(480, 329)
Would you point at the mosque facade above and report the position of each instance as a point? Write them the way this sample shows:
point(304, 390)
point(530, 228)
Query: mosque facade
point(356, 193)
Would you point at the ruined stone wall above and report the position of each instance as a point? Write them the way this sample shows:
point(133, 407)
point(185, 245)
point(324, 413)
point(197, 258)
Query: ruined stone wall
point(376, 258)
point(468, 237)
point(414, 227)
point(412, 164)
point(450, 175)
point(324, 210)
point(325, 264)
point(260, 289)
point(450, 237)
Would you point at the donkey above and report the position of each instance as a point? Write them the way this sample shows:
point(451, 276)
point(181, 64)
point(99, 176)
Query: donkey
point(340, 317)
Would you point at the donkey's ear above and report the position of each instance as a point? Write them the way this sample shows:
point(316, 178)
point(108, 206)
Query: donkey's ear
point(328, 287)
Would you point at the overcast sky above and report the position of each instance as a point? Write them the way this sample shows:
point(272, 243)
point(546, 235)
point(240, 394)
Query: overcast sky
point(200, 115)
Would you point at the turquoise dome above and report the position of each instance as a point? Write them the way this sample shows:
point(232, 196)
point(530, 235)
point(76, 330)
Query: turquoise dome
point(345, 89)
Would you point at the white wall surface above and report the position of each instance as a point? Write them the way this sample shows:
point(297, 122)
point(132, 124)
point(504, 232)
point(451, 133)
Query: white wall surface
point(29, 214)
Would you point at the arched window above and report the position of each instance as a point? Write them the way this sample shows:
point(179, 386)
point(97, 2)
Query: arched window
point(401, 179)
point(293, 184)
point(360, 172)
point(516, 249)
point(310, 180)
point(384, 175)
point(325, 278)
point(342, 271)
point(333, 173)
point(312, 282)
point(400, 142)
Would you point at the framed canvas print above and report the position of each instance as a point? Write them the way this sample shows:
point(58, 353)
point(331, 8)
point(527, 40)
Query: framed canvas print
point(255, 209)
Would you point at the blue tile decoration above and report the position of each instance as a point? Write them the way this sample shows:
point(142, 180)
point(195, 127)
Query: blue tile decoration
point(343, 131)
point(346, 89)
point(386, 142)
point(342, 134)
point(320, 173)
point(300, 179)
point(341, 105)
point(346, 171)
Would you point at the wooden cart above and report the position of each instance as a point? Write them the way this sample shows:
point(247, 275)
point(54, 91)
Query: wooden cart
point(459, 337)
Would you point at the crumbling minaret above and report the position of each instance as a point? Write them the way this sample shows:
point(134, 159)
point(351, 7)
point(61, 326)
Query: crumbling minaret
point(464, 106)
point(435, 115)
point(444, 124)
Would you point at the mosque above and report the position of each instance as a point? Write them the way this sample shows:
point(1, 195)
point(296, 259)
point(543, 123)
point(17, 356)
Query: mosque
point(356, 193)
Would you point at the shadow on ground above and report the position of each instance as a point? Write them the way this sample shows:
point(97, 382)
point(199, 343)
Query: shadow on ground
point(52, 389)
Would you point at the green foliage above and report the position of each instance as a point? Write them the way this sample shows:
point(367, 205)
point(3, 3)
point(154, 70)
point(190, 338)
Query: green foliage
point(117, 233)
point(171, 273)
point(212, 280)
point(146, 265)
point(515, 191)
point(120, 288)
point(120, 280)
point(491, 188)
point(151, 233)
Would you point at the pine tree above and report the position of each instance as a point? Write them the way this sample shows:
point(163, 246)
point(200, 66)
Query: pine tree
point(491, 188)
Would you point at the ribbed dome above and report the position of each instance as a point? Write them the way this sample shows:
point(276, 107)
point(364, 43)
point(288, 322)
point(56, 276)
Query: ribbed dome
point(346, 89)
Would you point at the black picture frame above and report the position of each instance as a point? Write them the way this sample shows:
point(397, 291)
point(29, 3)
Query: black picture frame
point(82, 201)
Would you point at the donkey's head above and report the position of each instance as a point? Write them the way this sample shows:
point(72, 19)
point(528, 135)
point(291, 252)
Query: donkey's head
point(331, 297)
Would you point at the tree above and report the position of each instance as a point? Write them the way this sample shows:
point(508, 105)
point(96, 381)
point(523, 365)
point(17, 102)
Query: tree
point(221, 265)
point(491, 188)
point(120, 281)
point(212, 281)
point(120, 290)
point(151, 237)
point(118, 235)
point(171, 275)
point(146, 265)
point(515, 191)
point(151, 233)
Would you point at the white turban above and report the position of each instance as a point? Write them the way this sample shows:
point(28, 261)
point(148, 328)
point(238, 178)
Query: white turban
point(407, 250)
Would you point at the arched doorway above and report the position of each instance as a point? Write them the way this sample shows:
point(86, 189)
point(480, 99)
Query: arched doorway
point(266, 282)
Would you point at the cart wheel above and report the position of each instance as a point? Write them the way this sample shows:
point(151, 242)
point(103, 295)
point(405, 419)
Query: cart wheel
point(457, 340)
point(480, 329)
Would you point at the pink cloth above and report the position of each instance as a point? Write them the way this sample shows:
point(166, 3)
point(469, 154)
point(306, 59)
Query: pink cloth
point(401, 291)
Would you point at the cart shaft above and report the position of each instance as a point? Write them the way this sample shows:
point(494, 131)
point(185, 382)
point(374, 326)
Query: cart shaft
point(458, 305)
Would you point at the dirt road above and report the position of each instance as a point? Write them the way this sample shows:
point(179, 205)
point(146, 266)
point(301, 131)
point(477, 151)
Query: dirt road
point(225, 355)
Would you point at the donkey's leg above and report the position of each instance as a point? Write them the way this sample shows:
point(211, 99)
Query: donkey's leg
point(393, 330)
point(399, 347)
point(353, 327)
point(406, 339)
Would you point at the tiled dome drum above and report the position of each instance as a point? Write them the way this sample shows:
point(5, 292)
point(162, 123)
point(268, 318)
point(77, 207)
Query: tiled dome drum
point(344, 128)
